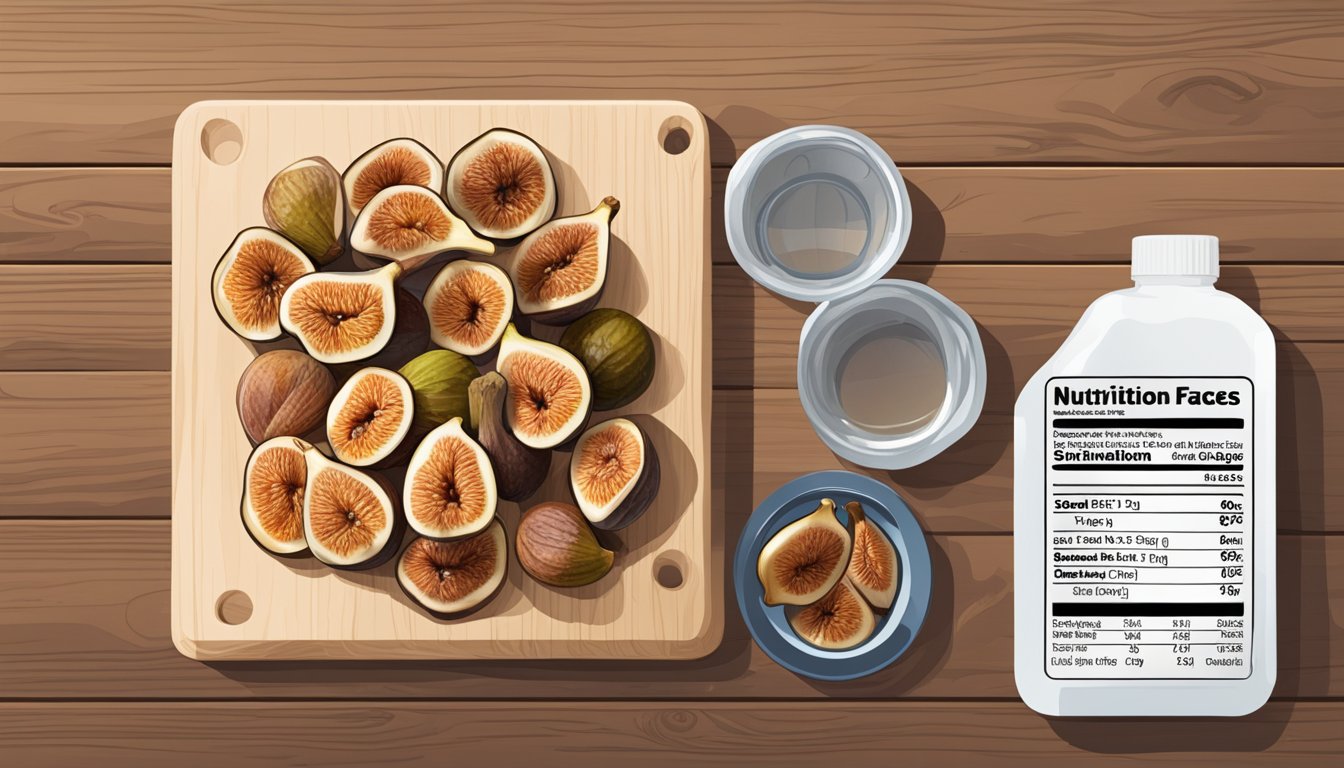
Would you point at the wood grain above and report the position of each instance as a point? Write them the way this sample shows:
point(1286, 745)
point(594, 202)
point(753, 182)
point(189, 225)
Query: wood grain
point(983, 214)
point(652, 734)
point(935, 82)
point(90, 317)
point(597, 149)
point(118, 465)
point(98, 626)
point(84, 215)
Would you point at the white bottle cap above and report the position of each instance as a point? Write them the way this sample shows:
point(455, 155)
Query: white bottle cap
point(1175, 256)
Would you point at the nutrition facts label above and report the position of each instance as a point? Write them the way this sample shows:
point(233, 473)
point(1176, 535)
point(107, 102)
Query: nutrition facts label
point(1148, 509)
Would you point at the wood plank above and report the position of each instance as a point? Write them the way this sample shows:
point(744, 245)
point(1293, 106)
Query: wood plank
point(961, 214)
point(86, 444)
point(84, 612)
point(116, 317)
point(85, 215)
point(1024, 312)
point(651, 735)
point(935, 82)
point(84, 317)
point(118, 466)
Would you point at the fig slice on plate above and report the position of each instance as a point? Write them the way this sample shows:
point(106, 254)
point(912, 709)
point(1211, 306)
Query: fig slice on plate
point(450, 485)
point(502, 184)
point(549, 394)
point(410, 225)
point(393, 163)
point(450, 579)
point(468, 304)
point(251, 277)
point(559, 270)
point(273, 483)
point(614, 473)
point(350, 517)
point(283, 392)
point(370, 418)
point(802, 562)
point(305, 203)
point(839, 620)
point(341, 317)
point(519, 469)
point(556, 546)
point(873, 567)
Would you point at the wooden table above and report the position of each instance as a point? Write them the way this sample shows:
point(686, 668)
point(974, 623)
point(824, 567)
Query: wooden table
point(1036, 141)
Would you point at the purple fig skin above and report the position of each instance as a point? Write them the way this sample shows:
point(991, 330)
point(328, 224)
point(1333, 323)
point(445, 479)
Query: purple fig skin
point(519, 469)
point(283, 392)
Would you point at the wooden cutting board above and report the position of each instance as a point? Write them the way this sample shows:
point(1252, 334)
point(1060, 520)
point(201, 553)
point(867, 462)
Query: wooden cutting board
point(663, 600)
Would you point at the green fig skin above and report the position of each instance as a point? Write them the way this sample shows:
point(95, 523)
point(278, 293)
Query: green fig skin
point(617, 351)
point(305, 202)
point(556, 546)
point(439, 379)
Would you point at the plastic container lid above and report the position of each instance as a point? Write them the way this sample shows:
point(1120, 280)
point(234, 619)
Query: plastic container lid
point(1174, 256)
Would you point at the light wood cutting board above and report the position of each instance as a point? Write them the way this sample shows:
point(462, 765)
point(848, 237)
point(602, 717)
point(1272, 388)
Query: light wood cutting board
point(663, 600)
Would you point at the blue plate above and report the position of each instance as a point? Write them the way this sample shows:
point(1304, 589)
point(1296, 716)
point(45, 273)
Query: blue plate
point(895, 630)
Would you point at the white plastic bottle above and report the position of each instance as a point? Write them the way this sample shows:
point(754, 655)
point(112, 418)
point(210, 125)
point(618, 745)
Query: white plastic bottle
point(1144, 501)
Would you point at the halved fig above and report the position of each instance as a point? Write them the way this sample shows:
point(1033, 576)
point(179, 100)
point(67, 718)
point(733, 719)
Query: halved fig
point(283, 392)
point(341, 317)
point(873, 567)
point(450, 579)
point(410, 338)
point(469, 303)
point(803, 561)
point(450, 485)
point(549, 394)
point(251, 277)
point(350, 517)
point(502, 184)
point(390, 164)
point(839, 620)
point(560, 269)
point(519, 469)
point(411, 225)
point(370, 417)
point(305, 203)
point(614, 473)
point(273, 483)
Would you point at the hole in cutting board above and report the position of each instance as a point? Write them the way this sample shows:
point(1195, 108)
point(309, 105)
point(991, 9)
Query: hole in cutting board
point(233, 607)
point(222, 141)
point(669, 570)
point(675, 135)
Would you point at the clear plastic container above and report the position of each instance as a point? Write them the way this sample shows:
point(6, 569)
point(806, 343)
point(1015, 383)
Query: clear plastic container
point(890, 372)
point(1144, 518)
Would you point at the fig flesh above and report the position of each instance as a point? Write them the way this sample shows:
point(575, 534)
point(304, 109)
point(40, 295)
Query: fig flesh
point(410, 337)
point(273, 483)
point(439, 379)
point(370, 418)
point(393, 163)
point(549, 394)
point(873, 568)
point(519, 469)
point(468, 304)
point(617, 351)
point(283, 392)
point(450, 485)
point(305, 203)
point(342, 317)
point(350, 517)
point(410, 225)
point(803, 561)
point(450, 579)
point(501, 184)
point(250, 278)
point(839, 620)
point(559, 270)
point(556, 546)
point(614, 473)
